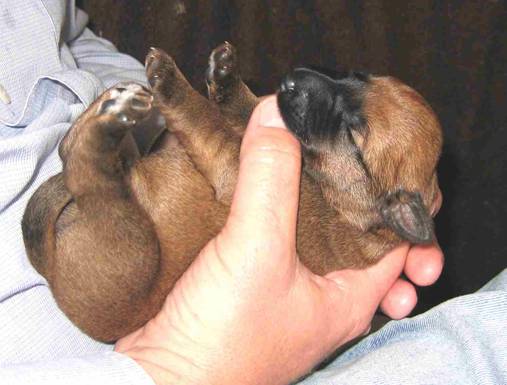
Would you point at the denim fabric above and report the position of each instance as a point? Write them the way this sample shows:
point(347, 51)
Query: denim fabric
point(461, 341)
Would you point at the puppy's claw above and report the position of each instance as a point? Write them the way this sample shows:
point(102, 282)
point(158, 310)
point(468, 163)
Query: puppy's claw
point(150, 57)
point(222, 64)
point(222, 72)
point(160, 67)
point(125, 119)
point(153, 80)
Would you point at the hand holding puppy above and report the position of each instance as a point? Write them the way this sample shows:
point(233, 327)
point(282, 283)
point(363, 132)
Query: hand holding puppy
point(247, 310)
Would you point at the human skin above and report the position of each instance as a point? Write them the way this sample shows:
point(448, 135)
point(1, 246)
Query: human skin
point(247, 311)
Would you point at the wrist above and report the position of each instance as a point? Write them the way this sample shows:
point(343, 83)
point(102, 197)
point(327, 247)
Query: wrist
point(164, 367)
point(185, 367)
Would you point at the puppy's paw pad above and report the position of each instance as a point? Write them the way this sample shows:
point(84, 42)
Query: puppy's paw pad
point(160, 67)
point(128, 102)
point(222, 64)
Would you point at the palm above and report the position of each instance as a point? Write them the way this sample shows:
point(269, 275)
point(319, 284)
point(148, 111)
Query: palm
point(247, 310)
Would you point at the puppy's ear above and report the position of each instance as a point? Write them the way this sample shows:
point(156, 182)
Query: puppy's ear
point(404, 212)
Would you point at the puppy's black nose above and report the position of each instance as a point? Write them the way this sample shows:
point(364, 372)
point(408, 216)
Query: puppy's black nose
point(288, 84)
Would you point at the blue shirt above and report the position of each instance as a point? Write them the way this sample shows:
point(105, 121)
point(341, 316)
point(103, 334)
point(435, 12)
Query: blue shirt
point(51, 69)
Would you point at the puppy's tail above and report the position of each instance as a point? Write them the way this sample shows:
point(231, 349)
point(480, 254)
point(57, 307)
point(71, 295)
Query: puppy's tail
point(39, 221)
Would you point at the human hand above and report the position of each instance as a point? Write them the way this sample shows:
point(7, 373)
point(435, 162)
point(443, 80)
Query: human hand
point(247, 311)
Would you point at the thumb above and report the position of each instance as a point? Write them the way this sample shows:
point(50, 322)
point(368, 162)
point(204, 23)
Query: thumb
point(265, 202)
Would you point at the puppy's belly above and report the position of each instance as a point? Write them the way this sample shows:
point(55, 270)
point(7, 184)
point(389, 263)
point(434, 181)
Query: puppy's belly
point(181, 204)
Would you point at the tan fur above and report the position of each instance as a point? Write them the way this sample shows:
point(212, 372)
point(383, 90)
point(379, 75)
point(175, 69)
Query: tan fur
point(402, 125)
point(127, 234)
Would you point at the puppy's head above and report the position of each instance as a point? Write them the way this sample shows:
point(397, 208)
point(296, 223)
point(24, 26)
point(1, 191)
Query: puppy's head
point(372, 143)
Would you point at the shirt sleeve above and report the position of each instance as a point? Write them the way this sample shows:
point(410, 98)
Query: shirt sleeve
point(100, 57)
point(96, 55)
point(108, 368)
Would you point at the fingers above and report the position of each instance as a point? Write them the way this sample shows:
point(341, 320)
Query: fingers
point(361, 291)
point(369, 286)
point(383, 275)
point(423, 267)
point(400, 300)
point(266, 198)
point(424, 264)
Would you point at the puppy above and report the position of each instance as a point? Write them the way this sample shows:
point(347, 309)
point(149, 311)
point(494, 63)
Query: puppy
point(114, 231)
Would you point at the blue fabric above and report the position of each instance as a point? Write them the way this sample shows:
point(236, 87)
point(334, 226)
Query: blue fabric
point(52, 68)
point(462, 341)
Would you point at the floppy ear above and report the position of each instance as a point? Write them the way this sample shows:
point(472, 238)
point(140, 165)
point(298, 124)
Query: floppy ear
point(404, 212)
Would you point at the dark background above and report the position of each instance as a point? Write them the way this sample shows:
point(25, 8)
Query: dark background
point(453, 52)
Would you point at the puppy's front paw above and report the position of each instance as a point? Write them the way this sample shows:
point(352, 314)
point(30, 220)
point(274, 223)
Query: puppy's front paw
point(222, 71)
point(126, 102)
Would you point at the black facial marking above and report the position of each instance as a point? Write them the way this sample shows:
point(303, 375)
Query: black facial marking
point(317, 107)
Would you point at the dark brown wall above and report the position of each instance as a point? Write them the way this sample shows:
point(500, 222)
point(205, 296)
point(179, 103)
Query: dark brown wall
point(453, 52)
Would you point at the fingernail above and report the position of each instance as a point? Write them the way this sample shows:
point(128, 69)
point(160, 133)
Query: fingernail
point(270, 114)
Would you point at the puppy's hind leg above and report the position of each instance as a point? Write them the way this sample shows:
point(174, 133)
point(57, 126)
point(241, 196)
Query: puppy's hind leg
point(196, 122)
point(107, 252)
point(94, 146)
point(227, 89)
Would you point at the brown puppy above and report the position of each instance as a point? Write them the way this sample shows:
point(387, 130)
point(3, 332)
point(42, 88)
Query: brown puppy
point(114, 231)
